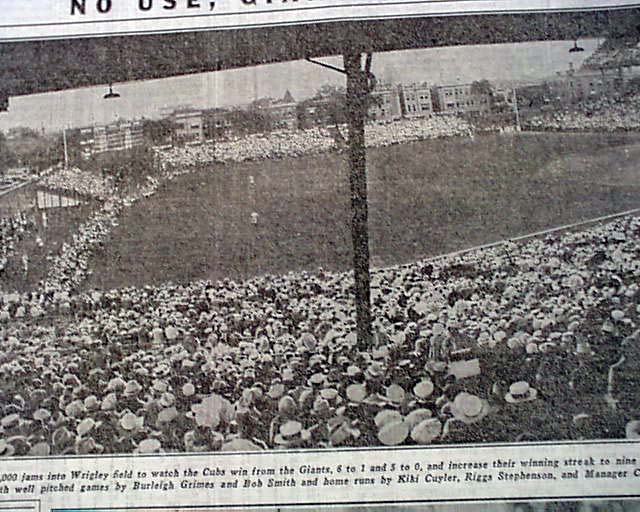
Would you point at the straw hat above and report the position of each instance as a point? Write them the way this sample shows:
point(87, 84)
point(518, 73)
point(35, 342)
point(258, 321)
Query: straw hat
point(289, 432)
point(132, 388)
point(6, 448)
point(531, 348)
point(375, 370)
point(426, 431)
point(469, 408)
point(633, 429)
point(423, 389)
point(547, 347)
point(520, 392)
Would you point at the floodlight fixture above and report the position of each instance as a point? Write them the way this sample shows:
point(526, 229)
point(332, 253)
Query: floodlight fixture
point(576, 48)
point(111, 95)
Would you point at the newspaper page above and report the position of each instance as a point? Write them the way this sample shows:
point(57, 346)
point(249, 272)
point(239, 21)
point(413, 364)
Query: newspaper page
point(319, 254)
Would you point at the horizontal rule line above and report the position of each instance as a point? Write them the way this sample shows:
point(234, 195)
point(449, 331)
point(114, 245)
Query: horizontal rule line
point(240, 13)
point(334, 19)
point(318, 7)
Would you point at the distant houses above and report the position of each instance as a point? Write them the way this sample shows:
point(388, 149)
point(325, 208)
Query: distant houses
point(388, 102)
point(282, 113)
point(416, 100)
point(385, 105)
point(188, 125)
point(469, 98)
point(573, 87)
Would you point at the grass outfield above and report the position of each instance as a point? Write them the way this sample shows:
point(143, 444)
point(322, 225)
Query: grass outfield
point(426, 198)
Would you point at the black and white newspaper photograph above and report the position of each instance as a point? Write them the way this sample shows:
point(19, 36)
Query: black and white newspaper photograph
point(291, 253)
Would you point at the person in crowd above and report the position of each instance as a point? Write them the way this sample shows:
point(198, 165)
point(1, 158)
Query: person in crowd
point(623, 382)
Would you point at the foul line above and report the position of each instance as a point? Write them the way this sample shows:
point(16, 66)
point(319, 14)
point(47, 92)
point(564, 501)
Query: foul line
point(517, 238)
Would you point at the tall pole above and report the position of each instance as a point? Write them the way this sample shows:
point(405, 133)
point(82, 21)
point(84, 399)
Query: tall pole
point(517, 110)
point(357, 92)
point(66, 152)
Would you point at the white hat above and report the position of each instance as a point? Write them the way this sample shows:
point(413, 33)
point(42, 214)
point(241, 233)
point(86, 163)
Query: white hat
point(469, 408)
point(633, 429)
point(520, 392)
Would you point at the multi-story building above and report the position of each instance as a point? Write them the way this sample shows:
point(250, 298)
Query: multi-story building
point(217, 123)
point(87, 142)
point(415, 100)
point(188, 125)
point(386, 105)
point(283, 115)
point(462, 99)
point(117, 136)
point(577, 86)
point(504, 99)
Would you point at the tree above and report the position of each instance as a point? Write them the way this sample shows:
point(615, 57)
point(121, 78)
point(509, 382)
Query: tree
point(214, 125)
point(251, 120)
point(482, 88)
point(534, 96)
point(126, 167)
point(158, 131)
point(303, 114)
point(327, 107)
point(373, 100)
point(7, 156)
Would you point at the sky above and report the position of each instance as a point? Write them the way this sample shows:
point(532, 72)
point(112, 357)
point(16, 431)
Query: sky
point(523, 62)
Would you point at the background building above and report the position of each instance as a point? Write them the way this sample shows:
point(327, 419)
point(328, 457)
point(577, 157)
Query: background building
point(217, 123)
point(473, 98)
point(385, 106)
point(283, 113)
point(415, 100)
point(188, 125)
point(576, 86)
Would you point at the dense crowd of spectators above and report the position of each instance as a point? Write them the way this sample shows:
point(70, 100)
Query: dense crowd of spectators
point(284, 144)
point(603, 114)
point(535, 340)
point(12, 230)
point(409, 130)
point(69, 267)
point(79, 182)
